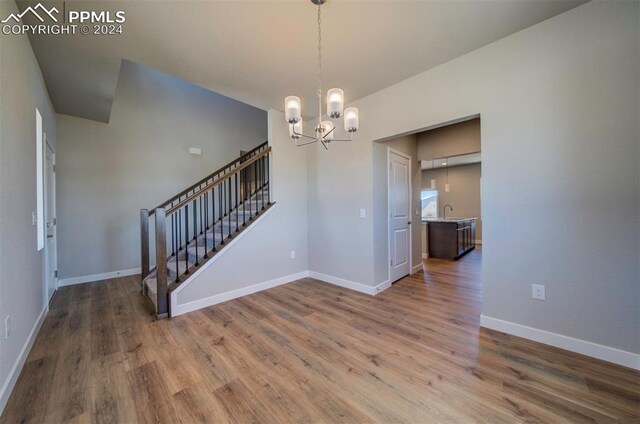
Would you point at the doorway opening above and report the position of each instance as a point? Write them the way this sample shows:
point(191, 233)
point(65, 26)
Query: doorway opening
point(433, 193)
point(51, 257)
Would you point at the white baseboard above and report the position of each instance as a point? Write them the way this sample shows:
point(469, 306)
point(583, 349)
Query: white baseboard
point(179, 309)
point(10, 382)
point(609, 354)
point(362, 288)
point(97, 277)
point(417, 268)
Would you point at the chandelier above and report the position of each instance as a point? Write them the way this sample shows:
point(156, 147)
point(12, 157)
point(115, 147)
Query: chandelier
point(324, 130)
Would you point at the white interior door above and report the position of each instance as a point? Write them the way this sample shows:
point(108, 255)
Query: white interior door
point(399, 215)
point(51, 261)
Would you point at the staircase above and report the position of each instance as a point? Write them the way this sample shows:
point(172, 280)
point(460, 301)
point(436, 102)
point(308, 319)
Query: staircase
point(198, 223)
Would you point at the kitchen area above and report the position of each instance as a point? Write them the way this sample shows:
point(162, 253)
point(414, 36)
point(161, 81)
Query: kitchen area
point(450, 162)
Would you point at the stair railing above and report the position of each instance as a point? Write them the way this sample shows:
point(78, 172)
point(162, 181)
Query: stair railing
point(225, 201)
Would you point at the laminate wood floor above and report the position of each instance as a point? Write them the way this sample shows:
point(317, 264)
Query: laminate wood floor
point(308, 352)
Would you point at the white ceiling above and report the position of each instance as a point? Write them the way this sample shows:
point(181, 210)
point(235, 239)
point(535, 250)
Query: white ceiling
point(260, 51)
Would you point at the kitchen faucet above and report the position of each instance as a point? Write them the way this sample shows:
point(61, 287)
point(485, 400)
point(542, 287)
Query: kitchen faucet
point(444, 210)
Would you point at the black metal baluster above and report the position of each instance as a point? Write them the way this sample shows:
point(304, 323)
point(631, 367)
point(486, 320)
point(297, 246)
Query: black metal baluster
point(195, 218)
point(206, 224)
point(268, 181)
point(255, 178)
point(213, 217)
point(179, 230)
point(262, 182)
point(229, 205)
point(176, 243)
point(220, 187)
point(201, 214)
point(186, 238)
point(175, 233)
point(243, 180)
point(249, 194)
point(173, 240)
point(195, 227)
point(237, 192)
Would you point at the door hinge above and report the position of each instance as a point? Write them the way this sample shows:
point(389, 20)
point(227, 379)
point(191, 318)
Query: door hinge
point(54, 221)
point(54, 168)
point(391, 262)
point(55, 273)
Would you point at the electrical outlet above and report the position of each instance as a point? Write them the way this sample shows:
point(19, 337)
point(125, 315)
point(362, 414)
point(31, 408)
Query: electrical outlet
point(537, 291)
point(7, 327)
point(34, 218)
point(363, 213)
point(293, 254)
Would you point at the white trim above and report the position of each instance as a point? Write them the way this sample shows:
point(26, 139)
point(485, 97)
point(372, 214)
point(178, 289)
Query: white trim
point(97, 277)
point(179, 309)
point(10, 382)
point(48, 147)
point(410, 211)
point(183, 308)
point(362, 288)
point(227, 246)
point(416, 268)
point(40, 230)
point(594, 350)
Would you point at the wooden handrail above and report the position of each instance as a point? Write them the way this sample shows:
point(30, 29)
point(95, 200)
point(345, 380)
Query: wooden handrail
point(217, 182)
point(205, 179)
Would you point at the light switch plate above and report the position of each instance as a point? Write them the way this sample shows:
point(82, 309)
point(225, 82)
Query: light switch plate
point(363, 213)
point(7, 327)
point(195, 151)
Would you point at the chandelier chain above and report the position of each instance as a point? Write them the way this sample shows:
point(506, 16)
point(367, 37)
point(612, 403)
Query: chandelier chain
point(319, 52)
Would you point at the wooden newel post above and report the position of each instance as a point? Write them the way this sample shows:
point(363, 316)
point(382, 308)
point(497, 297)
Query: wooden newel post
point(161, 263)
point(144, 243)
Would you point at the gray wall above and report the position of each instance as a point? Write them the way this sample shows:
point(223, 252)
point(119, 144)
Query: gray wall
point(562, 96)
point(22, 296)
point(108, 172)
point(263, 253)
point(450, 140)
point(464, 193)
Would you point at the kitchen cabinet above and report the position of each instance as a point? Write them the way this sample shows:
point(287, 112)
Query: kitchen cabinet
point(451, 238)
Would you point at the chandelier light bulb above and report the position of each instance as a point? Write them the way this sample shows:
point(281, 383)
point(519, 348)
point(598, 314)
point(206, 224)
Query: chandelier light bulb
point(351, 121)
point(293, 109)
point(327, 133)
point(295, 130)
point(335, 102)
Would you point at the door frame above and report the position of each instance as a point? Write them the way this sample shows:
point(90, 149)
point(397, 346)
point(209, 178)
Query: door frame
point(409, 212)
point(47, 146)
